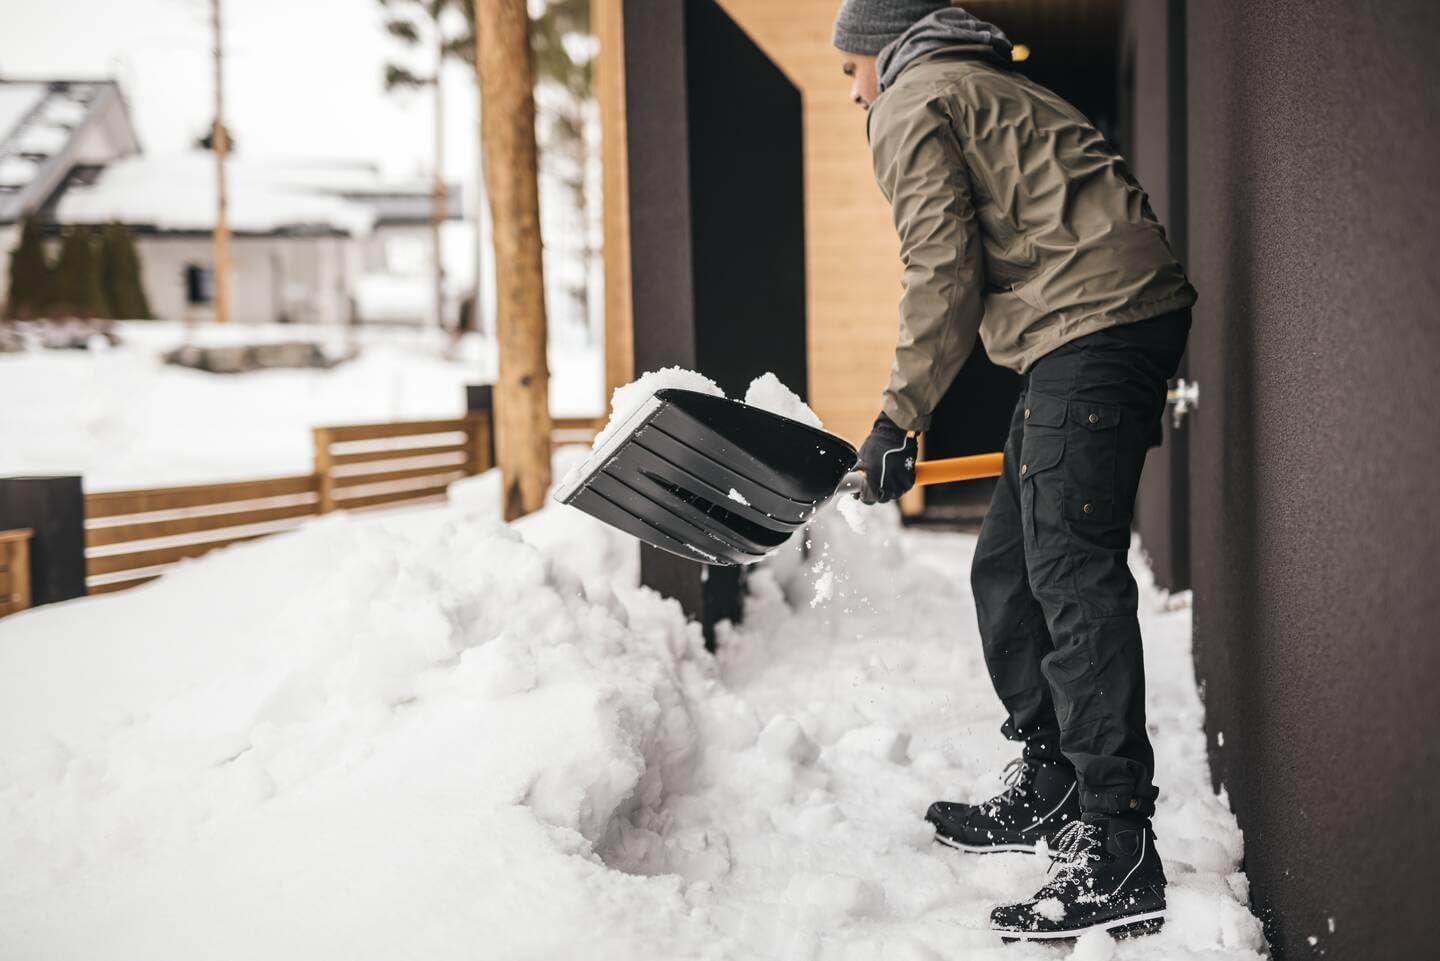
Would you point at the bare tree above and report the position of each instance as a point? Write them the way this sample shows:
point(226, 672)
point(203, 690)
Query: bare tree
point(220, 140)
point(562, 62)
point(421, 23)
point(522, 410)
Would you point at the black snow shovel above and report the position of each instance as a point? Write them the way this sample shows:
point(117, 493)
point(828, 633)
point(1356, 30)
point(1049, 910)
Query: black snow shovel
point(722, 482)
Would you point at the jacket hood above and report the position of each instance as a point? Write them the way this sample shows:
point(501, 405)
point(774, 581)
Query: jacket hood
point(949, 27)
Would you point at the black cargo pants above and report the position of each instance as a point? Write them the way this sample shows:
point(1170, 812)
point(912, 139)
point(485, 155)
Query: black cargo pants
point(1054, 594)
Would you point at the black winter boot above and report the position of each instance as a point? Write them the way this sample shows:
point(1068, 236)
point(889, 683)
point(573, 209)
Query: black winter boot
point(1042, 797)
point(1106, 875)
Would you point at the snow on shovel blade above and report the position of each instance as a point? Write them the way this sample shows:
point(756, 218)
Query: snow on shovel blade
point(710, 479)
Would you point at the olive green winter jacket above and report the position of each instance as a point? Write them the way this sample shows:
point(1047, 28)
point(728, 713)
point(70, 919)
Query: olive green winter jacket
point(1016, 219)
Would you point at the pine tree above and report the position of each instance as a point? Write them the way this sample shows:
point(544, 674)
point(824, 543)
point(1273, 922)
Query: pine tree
point(564, 152)
point(120, 272)
point(79, 289)
point(32, 278)
point(69, 273)
point(95, 302)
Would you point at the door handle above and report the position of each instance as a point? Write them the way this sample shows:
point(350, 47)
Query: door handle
point(1182, 399)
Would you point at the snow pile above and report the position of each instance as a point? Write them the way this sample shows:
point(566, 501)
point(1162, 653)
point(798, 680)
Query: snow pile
point(430, 735)
point(629, 398)
point(881, 686)
point(768, 393)
point(393, 753)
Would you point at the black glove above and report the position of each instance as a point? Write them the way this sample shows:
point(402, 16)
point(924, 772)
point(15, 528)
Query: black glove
point(888, 459)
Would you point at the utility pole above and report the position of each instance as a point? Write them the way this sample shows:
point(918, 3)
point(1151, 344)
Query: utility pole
point(437, 207)
point(220, 144)
point(478, 317)
point(522, 405)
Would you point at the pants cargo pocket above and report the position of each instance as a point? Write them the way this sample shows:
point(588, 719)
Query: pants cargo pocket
point(1093, 507)
point(1095, 438)
point(1042, 488)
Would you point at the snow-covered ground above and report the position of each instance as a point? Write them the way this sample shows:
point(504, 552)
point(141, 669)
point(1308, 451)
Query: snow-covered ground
point(429, 735)
point(123, 418)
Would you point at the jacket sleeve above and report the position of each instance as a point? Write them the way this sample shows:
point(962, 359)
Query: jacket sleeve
point(922, 172)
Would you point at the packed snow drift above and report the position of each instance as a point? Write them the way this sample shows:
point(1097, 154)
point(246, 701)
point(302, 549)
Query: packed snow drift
point(430, 735)
point(123, 418)
point(766, 392)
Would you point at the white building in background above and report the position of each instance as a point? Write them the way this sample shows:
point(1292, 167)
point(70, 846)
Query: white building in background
point(306, 236)
point(49, 129)
point(313, 241)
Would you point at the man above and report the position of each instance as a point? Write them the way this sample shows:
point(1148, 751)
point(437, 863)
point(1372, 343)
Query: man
point(1018, 222)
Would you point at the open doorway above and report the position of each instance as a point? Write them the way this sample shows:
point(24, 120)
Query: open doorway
point(1072, 47)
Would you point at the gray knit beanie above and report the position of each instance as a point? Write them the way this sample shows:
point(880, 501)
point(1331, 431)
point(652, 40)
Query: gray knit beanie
point(866, 26)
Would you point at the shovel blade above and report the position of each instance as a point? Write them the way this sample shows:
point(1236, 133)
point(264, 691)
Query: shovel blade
point(709, 479)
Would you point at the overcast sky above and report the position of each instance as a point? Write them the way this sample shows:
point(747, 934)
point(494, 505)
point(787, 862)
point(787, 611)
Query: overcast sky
point(303, 77)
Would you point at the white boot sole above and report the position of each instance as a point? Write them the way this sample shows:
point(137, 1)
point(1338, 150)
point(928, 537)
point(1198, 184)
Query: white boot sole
point(1147, 921)
point(989, 849)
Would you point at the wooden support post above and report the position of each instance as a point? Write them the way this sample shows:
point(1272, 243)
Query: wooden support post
point(522, 414)
point(324, 470)
point(607, 23)
point(710, 291)
point(14, 570)
point(477, 440)
point(480, 427)
point(54, 508)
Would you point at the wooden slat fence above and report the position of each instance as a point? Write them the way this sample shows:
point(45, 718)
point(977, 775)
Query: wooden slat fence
point(367, 465)
point(134, 536)
point(14, 570)
point(575, 430)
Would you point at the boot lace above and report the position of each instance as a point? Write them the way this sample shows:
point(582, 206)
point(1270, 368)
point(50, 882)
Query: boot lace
point(1076, 845)
point(1017, 778)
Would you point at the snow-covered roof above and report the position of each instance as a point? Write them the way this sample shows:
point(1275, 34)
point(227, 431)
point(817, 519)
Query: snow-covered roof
point(44, 139)
point(17, 100)
point(391, 201)
point(16, 172)
point(49, 126)
point(177, 193)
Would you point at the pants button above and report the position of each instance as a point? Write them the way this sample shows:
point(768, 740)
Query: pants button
point(1024, 468)
point(1027, 413)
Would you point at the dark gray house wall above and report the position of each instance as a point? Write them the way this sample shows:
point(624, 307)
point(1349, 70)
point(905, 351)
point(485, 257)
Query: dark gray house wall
point(717, 228)
point(1314, 213)
point(1152, 134)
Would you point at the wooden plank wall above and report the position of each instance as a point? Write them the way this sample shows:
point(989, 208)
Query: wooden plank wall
point(852, 255)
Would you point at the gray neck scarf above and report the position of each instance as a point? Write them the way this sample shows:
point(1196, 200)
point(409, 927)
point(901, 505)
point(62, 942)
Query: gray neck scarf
point(946, 27)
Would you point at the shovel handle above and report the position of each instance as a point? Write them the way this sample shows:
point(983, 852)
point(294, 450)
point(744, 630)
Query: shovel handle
point(957, 469)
